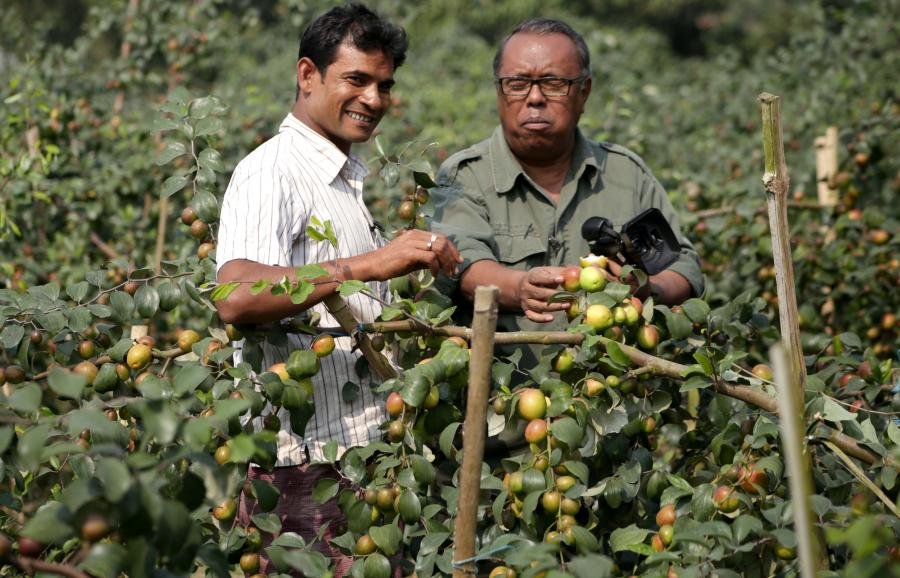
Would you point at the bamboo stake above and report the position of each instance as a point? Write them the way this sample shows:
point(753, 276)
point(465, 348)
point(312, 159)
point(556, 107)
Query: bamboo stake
point(777, 182)
point(341, 312)
point(481, 357)
point(826, 166)
point(793, 426)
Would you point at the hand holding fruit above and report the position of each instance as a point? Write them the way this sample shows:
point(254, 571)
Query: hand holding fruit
point(534, 289)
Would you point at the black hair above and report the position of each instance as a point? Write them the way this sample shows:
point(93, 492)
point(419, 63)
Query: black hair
point(356, 24)
point(548, 26)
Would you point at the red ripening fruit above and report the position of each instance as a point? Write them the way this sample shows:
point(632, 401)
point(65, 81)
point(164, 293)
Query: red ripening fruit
point(666, 515)
point(536, 431)
point(571, 279)
point(394, 404)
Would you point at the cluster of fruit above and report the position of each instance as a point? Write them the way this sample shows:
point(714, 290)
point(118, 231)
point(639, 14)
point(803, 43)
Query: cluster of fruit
point(612, 320)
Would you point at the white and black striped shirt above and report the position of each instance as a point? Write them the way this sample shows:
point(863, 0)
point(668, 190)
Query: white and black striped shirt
point(273, 194)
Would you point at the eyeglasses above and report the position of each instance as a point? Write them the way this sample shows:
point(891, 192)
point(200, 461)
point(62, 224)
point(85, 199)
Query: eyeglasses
point(548, 85)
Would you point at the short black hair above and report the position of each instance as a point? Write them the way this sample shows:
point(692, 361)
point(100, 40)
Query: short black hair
point(548, 26)
point(356, 24)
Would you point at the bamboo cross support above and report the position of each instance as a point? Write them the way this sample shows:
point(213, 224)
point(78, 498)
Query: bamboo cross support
point(481, 356)
point(341, 312)
point(777, 183)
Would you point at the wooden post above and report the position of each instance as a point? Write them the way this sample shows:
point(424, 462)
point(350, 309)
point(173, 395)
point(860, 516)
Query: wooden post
point(481, 356)
point(341, 312)
point(777, 184)
point(826, 167)
point(793, 427)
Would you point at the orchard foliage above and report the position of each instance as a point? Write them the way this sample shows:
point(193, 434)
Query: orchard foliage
point(124, 425)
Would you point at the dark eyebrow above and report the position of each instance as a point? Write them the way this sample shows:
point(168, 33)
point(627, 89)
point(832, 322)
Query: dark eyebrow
point(368, 77)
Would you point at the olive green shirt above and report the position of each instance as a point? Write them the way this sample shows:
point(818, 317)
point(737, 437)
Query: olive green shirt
point(492, 210)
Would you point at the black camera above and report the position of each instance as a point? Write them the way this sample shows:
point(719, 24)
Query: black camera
point(646, 241)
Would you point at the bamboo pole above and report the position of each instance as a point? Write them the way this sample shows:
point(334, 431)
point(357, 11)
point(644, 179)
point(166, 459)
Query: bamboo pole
point(341, 312)
point(826, 167)
point(481, 357)
point(793, 427)
point(777, 183)
point(663, 367)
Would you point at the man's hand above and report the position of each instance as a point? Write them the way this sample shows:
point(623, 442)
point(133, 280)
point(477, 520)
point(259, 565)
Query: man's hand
point(526, 291)
point(412, 250)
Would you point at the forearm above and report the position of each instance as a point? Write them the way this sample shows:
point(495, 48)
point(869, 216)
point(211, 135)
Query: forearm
point(669, 288)
point(487, 272)
point(243, 307)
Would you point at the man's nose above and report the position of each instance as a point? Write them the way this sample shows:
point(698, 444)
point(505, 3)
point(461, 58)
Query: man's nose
point(535, 96)
point(372, 97)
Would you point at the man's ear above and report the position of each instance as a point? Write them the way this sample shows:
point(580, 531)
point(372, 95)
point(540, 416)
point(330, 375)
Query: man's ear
point(585, 89)
point(306, 74)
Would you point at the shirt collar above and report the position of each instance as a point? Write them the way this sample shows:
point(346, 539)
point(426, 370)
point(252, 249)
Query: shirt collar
point(330, 160)
point(506, 168)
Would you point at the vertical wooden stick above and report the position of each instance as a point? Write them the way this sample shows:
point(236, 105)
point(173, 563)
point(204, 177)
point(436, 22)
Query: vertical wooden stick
point(777, 183)
point(484, 324)
point(793, 426)
point(826, 167)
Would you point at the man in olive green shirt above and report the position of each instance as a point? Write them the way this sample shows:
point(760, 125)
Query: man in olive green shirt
point(514, 204)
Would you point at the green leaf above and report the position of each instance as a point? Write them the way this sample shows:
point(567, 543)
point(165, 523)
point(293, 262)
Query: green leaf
point(627, 538)
point(105, 560)
point(616, 354)
point(567, 431)
point(204, 106)
point(695, 382)
point(697, 310)
point(704, 362)
point(173, 150)
point(189, 378)
point(6, 437)
point(744, 525)
point(66, 384)
point(80, 319)
point(26, 399)
point(207, 126)
point(349, 393)
point(424, 180)
point(324, 490)
point(445, 441)
point(122, 305)
point(211, 159)
point(702, 504)
point(352, 287)
point(172, 185)
point(387, 538)
point(301, 291)
point(329, 451)
point(266, 495)
point(11, 336)
point(78, 291)
point(258, 287)
point(116, 478)
point(591, 566)
point(270, 523)
point(51, 524)
point(834, 412)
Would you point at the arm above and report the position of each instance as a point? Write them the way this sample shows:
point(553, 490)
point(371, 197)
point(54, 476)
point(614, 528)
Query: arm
point(409, 251)
point(666, 287)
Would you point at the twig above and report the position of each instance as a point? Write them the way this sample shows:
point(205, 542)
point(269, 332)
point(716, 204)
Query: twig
point(32, 565)
point(104, 248)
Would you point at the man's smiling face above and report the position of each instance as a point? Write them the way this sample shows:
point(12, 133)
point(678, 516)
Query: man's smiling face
point(346, 103)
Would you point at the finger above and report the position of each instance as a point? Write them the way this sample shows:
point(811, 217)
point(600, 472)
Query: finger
point(538, 317)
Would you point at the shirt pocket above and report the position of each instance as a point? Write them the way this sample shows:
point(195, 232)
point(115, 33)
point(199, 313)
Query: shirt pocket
point(518, 250)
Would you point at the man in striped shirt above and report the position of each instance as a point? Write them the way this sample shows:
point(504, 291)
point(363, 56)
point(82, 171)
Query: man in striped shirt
point(345, 73)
